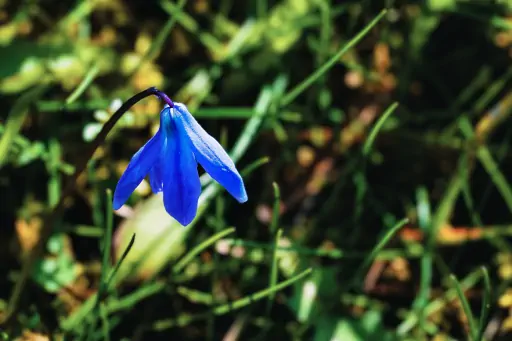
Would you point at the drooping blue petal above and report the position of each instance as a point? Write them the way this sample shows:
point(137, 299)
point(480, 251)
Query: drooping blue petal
point(181, 181)
point(139, 166)
point(209, 153)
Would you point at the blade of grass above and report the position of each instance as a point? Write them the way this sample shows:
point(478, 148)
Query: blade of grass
point(74, 321)
point(437, 304)
point(370, 257)
point(107, 245)
point(361, 184)
point(376, 128)
point(87, 231)
point(159, 41)
point(224, 112)
point(276, 208)
point(486, 306)
point(52, 165)
point(103, 288)
point(184, 319)
point(470, 205)
point(325, 31)
point(89, 77)
point(292, 94)
point(499, 179)
point(245, 301)
point(494, 117)
point(495, 20)
point(493, 90)
point(447, 203)
point(261, 108)
point(274, 270)
point(196, 296)
point(104, 322)
point(130, 300)
point(254, 165)
point(473, 330)
point(490, 165)
point(277, 236)
point(426, 265)
point(476, 85)
point(121, 260)
point(382, 242)
point(218, 225)
point(82, 105)
point(239, 41)
point(483, 101)
point(199, 248)
point(190, 24)
point(105, 266)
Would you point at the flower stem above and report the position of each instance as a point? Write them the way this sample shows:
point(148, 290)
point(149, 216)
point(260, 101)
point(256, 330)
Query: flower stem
point(163, 97)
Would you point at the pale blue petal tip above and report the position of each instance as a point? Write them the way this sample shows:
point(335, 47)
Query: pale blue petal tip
point(242, 198)
point(117, 203)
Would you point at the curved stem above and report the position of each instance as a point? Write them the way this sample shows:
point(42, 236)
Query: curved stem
point(164, 97)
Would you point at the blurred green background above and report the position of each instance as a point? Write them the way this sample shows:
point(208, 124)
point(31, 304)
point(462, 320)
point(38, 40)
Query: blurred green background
point(373, 137)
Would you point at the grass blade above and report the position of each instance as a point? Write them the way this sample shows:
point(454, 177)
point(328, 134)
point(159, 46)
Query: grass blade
point(274, 269)
point(473, 331)
point(369, 257)
point(121, 260)
point(105, 267)
point(89, 77)
point(199, 248)
point(107, 245)
point(273, 226)
point(376, 128)
point(383, 241)
point(238, 304)
point(185, 319)
point(486, 305)
point(426, 265)
point(290, 96)
point(499, 179)
point(437, 304)
point(104, 322)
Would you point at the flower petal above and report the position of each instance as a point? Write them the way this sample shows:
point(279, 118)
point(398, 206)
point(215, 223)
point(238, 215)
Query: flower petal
point(139, 166)
point(181, 180)
point(156, 178)
point(209, 153)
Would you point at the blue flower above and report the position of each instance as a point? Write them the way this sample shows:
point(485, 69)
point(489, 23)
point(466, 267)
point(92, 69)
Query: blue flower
point(170, 158)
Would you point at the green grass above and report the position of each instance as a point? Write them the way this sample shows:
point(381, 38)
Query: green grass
point(373, 138)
